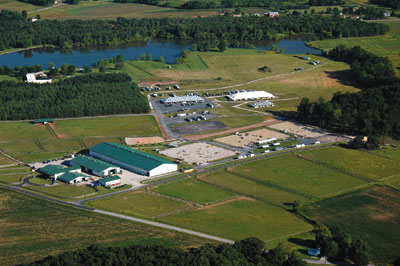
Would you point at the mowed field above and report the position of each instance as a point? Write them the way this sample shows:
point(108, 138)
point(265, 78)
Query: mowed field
point(386, 45)
point(240, 218)
point(372, 214)
point(297, 175)
point(33, 229)
point(32, 143)
point(358, 163)
point(13, 174)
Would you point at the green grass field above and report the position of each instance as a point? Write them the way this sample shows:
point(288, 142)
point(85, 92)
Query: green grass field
point(250, 188)
point(298, 175)
point(194, 190)
point(5, 161)
point(372, 214)
point(33, 229)
point(388, 152)
point(64, 191)
point(22, 131)
point(131, 126)
point(359, 163)
point(62, 145)
point(240, 218)
point(139, 204)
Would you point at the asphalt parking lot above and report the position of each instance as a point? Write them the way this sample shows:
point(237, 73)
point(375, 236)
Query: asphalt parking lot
point(197, 127)
point(182, 119)
point(176, 108)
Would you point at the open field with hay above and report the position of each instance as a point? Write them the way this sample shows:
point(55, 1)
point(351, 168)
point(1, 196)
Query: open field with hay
point(194, 190)
point(372, 214)
point(33, 229)
point(251, 218)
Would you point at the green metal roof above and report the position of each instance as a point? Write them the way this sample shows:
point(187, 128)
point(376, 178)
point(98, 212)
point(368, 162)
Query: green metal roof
point(129, 156)
point(92, 163)
point(70, 176)
point(110, 178)
point(52, 169)
point(42, 120)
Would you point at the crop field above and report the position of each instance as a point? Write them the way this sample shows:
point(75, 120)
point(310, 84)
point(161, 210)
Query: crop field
point(33, 229)
point(125, 126)
point(194, 190)
point(231, 182)
point(64, 191)
point(240, 218)
point(372, 214)
point(139, 204)
point(359, 163)
point(298, 175)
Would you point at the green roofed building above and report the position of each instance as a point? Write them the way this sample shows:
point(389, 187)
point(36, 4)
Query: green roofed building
point(110, 181)
point(94, 166)
point(133, 160)
point(73, 177)
point(55, 171)
point(43, 120)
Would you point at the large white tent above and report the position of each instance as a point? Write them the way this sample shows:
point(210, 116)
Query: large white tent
point(250, 95)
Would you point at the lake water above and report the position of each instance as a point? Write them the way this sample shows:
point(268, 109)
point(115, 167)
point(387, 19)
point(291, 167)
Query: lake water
point(168, 49)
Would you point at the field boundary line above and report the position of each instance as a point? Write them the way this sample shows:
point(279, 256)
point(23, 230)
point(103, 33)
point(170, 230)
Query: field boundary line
point(334, 168)
point(141, 69)
point(174, 198)
point(294, 234)
point(174, 212)
point(201, 59)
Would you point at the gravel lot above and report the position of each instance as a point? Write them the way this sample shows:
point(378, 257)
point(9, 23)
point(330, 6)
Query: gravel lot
point(247, 138)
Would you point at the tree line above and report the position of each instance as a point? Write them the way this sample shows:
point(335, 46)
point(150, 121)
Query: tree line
point(86, 95)
point(326, 2)
point(17, 32)
point(39, 2)
point(249, 251)
point(375, 110)
point(395, 4)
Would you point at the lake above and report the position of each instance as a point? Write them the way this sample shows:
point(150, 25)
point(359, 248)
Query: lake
point(170, 50)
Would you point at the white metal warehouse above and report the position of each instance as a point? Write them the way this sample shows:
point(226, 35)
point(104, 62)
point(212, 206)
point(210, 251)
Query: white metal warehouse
point(183, 99)
point(133, 160)
point(250, 95)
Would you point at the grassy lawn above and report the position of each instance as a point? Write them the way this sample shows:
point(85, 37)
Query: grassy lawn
point(388, 152)
point(240, 121)
point(298, 175)
point(139, 204)
point(13, 174)
point(356, 162)
point(23, 131)
point(5, 161)
point(240, 218)
point(90, 142)
point(34, 157)
point(372, 214)
point(64, 191)
point(130, 126)
point(194, 190)
point(15, 5)
point(250, 188)
point(62, 145)
point(33, 229)
point(40, 181)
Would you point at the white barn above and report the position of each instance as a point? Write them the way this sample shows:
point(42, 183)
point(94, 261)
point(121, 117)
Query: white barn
point(250, 95)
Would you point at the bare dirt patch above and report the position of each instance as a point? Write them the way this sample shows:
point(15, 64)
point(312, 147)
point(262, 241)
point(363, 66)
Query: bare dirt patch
point(158, 83)
point(54, 128)
point(251, 137)
point(198, 153)
point(232, 130)
point(299, 129)
point(143, 141)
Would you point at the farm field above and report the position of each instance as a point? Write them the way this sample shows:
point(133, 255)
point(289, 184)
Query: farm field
point(5, 161)
point(139, 204)
point(14, 131)
point(123, 126)
point(234, 183)
point(359, 163)
point(27, 235)
point(13, 174)
point(371, 214)
point(298, 175)
point(251, 218)
point(194, 190)
point(64, 191)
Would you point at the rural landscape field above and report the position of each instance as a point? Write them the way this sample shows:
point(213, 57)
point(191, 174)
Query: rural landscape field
point(166, 132)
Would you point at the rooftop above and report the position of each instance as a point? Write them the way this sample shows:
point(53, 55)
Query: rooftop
point(70, 176)
point(110, 178)
point(185, 98)
point(129, 156)
point(56, 169)
point(43, 120)
point(250, 95)
point(92, 163)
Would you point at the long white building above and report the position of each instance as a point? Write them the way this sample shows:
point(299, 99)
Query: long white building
point(250, 95)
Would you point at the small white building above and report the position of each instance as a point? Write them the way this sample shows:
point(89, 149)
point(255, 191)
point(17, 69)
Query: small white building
point(250, 95)
point(110, 181)
point(33, 78)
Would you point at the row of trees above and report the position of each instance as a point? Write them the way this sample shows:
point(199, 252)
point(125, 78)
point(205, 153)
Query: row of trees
point(17, 32)
point(86, 95)
point(333, 242)
point(395, 4)
point(249, 251)
point(39, 2)
point(375, 110)
point(326, 2)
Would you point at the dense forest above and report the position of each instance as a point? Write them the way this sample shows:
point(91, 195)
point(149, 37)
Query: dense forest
point(86, 95)
point(17, 32)
point(39, 2)
point(326, 2)
point(375, 110)
point(249, 252)
point(395, 4)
